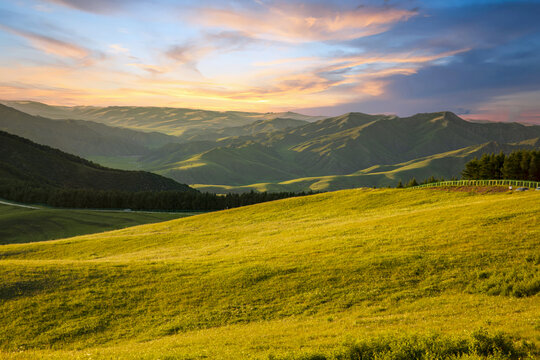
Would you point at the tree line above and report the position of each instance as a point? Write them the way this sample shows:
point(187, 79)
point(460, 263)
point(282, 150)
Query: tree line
point(518, 165)
point(31, 193)
point(412, 182)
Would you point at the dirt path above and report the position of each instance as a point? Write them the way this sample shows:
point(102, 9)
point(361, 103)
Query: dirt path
point(19, 205)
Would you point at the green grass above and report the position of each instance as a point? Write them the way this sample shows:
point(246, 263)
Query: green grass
point(22, 225)
point(301, 278)
point(445, 165)
point(326, 155)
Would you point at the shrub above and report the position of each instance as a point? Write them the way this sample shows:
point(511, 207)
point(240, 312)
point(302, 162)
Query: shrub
point(480, 345)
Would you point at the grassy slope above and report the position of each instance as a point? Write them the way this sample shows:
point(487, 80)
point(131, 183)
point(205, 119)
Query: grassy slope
point(334, 146)
point(445, 165)
point(297, 275)
point(21, 225)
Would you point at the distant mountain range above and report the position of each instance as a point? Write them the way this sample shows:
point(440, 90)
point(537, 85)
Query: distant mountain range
point(235, 151)
point(341, 145)
point(171, 121)
point(83, 138)
point(23, 161)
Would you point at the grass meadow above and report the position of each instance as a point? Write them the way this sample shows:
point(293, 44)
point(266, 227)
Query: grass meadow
point(23, 225)
point(354, 274)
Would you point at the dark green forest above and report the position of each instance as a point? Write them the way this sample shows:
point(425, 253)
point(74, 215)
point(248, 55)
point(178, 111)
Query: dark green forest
point(518, 165)
point(173, 200)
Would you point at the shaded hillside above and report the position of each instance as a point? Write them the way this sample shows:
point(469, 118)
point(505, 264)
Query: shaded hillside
point(172, 121)
point(335, 146)
point(292, 279)
point(22, 160)
point(445, 165)
point(23, 225)
point(84, 138)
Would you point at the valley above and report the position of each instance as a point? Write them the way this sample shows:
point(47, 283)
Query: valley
point(266, 152)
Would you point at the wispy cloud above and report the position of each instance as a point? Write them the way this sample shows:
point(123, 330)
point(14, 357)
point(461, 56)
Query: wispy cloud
point(119, 49)
point(304, 22)
point(49, 44)
point(192, 51)
point(152, 69)
point(350, 62)
point(96, 6)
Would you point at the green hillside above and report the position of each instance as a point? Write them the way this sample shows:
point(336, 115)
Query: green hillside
point(24, 225)
point(336, 146)
point(23, 161)
point(172, 121)
point(323, 276)
point(83, 138)
point(236, 151)
point(445, 165)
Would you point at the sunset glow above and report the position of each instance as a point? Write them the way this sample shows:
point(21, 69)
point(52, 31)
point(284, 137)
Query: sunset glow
point(315, 57)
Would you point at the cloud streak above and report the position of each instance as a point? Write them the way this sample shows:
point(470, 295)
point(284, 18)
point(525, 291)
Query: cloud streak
point(191, 52)
point(49, 44)
point(96, 6)
point(300, 23)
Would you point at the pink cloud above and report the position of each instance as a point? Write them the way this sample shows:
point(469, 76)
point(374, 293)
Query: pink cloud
point(305, 23)
point(50, 45)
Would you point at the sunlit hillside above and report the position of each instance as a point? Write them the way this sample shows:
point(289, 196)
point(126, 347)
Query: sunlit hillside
point(304, 278)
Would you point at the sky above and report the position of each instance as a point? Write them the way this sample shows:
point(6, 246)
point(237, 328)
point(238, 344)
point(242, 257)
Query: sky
point(477, 58)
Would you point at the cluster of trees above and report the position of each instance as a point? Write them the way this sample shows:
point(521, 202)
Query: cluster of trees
point(148, 200)
point(518, 165)
point(412, 182)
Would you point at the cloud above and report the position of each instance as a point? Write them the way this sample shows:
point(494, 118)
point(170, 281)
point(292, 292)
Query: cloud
point(119, 49)
point(152, 69)
point(225, 41)
point(50, 45)
point(405, 58)
point(96, 6)
point(303, 22)
point(523, 106)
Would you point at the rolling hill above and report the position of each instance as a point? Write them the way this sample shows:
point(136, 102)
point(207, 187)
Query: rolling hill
point(233, 151)
point(445, 165)
point(83, 138)
point(171, 121)
point(23, 161)
point(335, 146)
point(370, 274)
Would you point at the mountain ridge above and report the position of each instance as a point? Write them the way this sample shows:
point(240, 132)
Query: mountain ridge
point(167, 120)
point(84, 138)
point(336, 146)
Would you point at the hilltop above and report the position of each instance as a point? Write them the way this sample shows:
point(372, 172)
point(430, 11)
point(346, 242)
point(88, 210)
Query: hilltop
point(295, 278)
